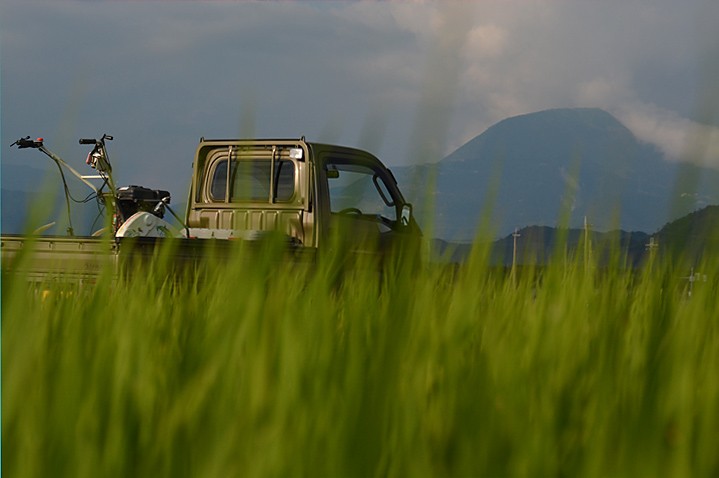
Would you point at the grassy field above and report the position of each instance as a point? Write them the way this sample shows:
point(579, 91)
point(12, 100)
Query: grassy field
point(257, 368)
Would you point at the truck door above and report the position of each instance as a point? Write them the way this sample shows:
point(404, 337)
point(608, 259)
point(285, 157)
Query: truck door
point(363, 204)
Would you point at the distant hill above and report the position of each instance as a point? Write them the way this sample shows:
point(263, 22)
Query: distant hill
point(689, 237)
point(14, 213)
point(22, 177)
point(20, 184)
point(536, 245)
point(554, 168)
point(23, 186)
point(684, 241)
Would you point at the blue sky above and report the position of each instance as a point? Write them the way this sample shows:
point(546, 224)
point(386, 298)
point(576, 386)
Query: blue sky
point(409, 81)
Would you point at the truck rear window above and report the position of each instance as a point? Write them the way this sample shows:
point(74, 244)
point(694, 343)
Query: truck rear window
point(250, 180)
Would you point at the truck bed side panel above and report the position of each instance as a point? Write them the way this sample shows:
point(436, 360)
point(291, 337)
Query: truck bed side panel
point(47, 258)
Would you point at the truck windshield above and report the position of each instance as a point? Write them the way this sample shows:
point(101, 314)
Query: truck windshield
point(360, 190)
point(250, 180)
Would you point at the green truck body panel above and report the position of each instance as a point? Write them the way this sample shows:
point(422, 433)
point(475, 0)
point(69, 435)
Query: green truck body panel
point(57, 257)
point(246, 189)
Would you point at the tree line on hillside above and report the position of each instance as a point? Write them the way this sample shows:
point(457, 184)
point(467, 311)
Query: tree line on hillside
point(686, 240)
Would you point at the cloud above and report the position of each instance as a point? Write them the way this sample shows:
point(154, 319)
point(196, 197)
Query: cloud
point(159, 75)
point(487, 41)
point(619, 56)
point(602, 91)
point(679, 138)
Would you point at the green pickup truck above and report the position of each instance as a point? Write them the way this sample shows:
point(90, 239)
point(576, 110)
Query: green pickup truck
point(246, 190)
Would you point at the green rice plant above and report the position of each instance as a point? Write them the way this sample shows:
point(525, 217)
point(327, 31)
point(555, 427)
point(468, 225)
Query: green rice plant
point(252, 364)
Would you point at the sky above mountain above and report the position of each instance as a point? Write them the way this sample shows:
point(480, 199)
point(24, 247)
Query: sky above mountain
point(409, 81)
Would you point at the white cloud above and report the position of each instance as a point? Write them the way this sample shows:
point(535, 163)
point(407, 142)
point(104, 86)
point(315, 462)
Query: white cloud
point(679, 138)
point(601, 91)
point(450, 69)
point(486, 41)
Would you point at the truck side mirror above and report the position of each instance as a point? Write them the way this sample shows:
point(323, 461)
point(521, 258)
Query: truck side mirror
point(406, 215)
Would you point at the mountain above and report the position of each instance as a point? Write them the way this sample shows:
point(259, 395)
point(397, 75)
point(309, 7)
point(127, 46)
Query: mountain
point(686, 241)
point(688, 237)
point(32, 197)
point(536, 245)
point(14, 213)
point(20, 184)
point(553, 168)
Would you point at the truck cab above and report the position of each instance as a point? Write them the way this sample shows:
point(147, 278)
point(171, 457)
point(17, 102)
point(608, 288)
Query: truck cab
point(309, 192)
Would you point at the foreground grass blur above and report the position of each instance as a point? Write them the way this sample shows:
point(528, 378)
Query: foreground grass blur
point(266, 368)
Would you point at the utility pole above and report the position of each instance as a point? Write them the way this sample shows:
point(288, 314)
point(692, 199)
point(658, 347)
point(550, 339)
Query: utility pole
point(587, 248)
point(694, 277)
point(652, 249)
point(515, 236)
point(691, 278)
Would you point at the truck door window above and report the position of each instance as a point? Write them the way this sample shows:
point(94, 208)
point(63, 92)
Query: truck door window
point(250, 180)
point(359, 190)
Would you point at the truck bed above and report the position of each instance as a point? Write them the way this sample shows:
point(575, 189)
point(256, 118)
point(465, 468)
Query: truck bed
point(56, 257)
point(81, 259)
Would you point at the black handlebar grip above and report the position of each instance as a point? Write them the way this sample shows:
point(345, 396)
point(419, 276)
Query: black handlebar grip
point(87, 141)
point(26, 142)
